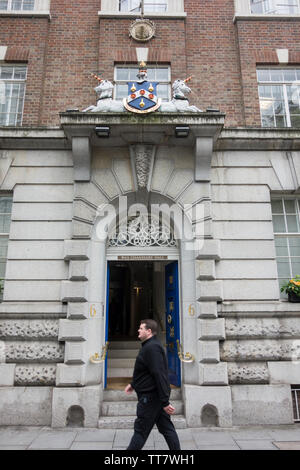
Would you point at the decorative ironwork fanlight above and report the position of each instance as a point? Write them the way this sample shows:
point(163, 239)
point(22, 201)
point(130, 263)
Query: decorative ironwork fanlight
point(143, 231)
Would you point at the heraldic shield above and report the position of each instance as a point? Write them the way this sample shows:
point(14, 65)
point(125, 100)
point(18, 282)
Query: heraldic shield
point(142, 97)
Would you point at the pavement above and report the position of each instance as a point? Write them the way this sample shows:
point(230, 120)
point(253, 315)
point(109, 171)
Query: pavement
point(285, 437)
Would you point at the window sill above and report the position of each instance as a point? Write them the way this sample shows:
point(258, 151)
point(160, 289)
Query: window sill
point(31, 13)
point(121, 15)
point(266, 18)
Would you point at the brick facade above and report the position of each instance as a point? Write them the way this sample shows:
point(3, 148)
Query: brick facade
point(221, 54)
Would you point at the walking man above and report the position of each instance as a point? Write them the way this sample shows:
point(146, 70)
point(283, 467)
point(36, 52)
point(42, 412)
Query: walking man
point(151, 383)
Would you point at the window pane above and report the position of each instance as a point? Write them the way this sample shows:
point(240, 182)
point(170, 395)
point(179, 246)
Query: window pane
point(295, 266)
point(283, 267)
point(162, 74)
point(122, 73)
point(163, 92)
point(277, 92)
point(295, 121)
point(278, 223)
point(289, 75)
point(2, 270)
point(151, 74)
point(281, 246)
point(292, 223)
point(294, 244)
point(276, 75)
point(3, 4)
point(3, 247)
point(280, 121)
point(133, 73)
point(5, 204)
point(121, 91)
point(268, 121)
point(277, 207)
point(263, 75)
point(290, 206)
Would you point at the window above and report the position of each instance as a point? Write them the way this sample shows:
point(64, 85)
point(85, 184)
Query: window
point(5, 216)
point(16, 5)
point(149, 5)
point(286, 224)
point(12, 93)
point(296, 402)
point(279, 97)
point(275, 7)
point(156, 74)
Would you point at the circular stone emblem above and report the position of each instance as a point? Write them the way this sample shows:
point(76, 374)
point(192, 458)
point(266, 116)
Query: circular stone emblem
point(142, 30)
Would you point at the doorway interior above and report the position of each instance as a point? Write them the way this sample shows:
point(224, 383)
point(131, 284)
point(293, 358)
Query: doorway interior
point(137, 290)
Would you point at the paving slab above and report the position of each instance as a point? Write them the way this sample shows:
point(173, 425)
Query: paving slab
point(53, 440)
point(255, 445)
point(203, 438)
point(91, 446)
point(13, 447)
point(219, 447)
point(251, 434)
point(14, 436)
point(286, 445)
point(285, 434)
point(95, 435)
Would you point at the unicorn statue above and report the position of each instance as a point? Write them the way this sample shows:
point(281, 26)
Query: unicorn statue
point(105, 103)
point(179, 103)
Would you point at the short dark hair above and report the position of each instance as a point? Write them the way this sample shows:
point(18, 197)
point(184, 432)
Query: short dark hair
point(150, 325)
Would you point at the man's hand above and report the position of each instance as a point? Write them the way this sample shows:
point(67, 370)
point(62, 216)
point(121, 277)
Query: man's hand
point(169, 409)
point(128, 389)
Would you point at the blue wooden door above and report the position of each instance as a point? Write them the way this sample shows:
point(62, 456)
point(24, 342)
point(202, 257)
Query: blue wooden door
point(172, 322)
point(106, 322)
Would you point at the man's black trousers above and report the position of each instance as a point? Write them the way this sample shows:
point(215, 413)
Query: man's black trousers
point(150, 412)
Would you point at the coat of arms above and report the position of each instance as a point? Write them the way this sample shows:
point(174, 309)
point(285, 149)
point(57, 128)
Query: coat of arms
point(142, 95)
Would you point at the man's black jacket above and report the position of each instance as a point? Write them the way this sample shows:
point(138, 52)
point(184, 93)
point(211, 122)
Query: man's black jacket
point(151, 371)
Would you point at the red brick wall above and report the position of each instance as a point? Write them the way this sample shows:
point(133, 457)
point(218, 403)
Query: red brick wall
point(28, 33)
point(220, 55)
point(258, 41)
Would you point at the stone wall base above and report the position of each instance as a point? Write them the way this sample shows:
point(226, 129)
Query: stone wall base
point(25, 406)
point(261, 405)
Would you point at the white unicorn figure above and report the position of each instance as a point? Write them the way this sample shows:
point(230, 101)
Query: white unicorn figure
point(179, 103)
point(105, 103)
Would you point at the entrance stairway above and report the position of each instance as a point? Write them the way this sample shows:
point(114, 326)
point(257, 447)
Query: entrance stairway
point(118, 410)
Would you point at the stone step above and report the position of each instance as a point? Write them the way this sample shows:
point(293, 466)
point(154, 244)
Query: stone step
point(121, 363)
point(124, 345)
point(119, 372)
point(126, 422)
point(120, 395)
point(121, 353)
point(128, 408)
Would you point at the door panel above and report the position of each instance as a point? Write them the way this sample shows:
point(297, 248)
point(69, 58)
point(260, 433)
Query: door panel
point(106, 321)
point(172, 322)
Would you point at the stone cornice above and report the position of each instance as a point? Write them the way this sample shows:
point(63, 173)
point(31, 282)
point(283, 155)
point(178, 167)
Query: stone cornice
point(259, 139)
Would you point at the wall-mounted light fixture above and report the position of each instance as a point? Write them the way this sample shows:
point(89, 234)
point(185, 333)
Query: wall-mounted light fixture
point(212, 110)
point(102, 131)
point(182, 131)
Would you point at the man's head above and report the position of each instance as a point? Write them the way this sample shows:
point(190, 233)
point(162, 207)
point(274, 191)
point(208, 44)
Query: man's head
point(147, 329)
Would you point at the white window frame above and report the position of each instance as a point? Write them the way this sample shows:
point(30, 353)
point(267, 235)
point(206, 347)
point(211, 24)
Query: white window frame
point(12, 81)
point(5, 234)
point(284, 85)
point(132, 66)
point(147, 3)
point(41, 9)
point(243, 9)
point(286, 235)
point(10, 6)
point(295, 389)
point(270, 7)
point(111, 9)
